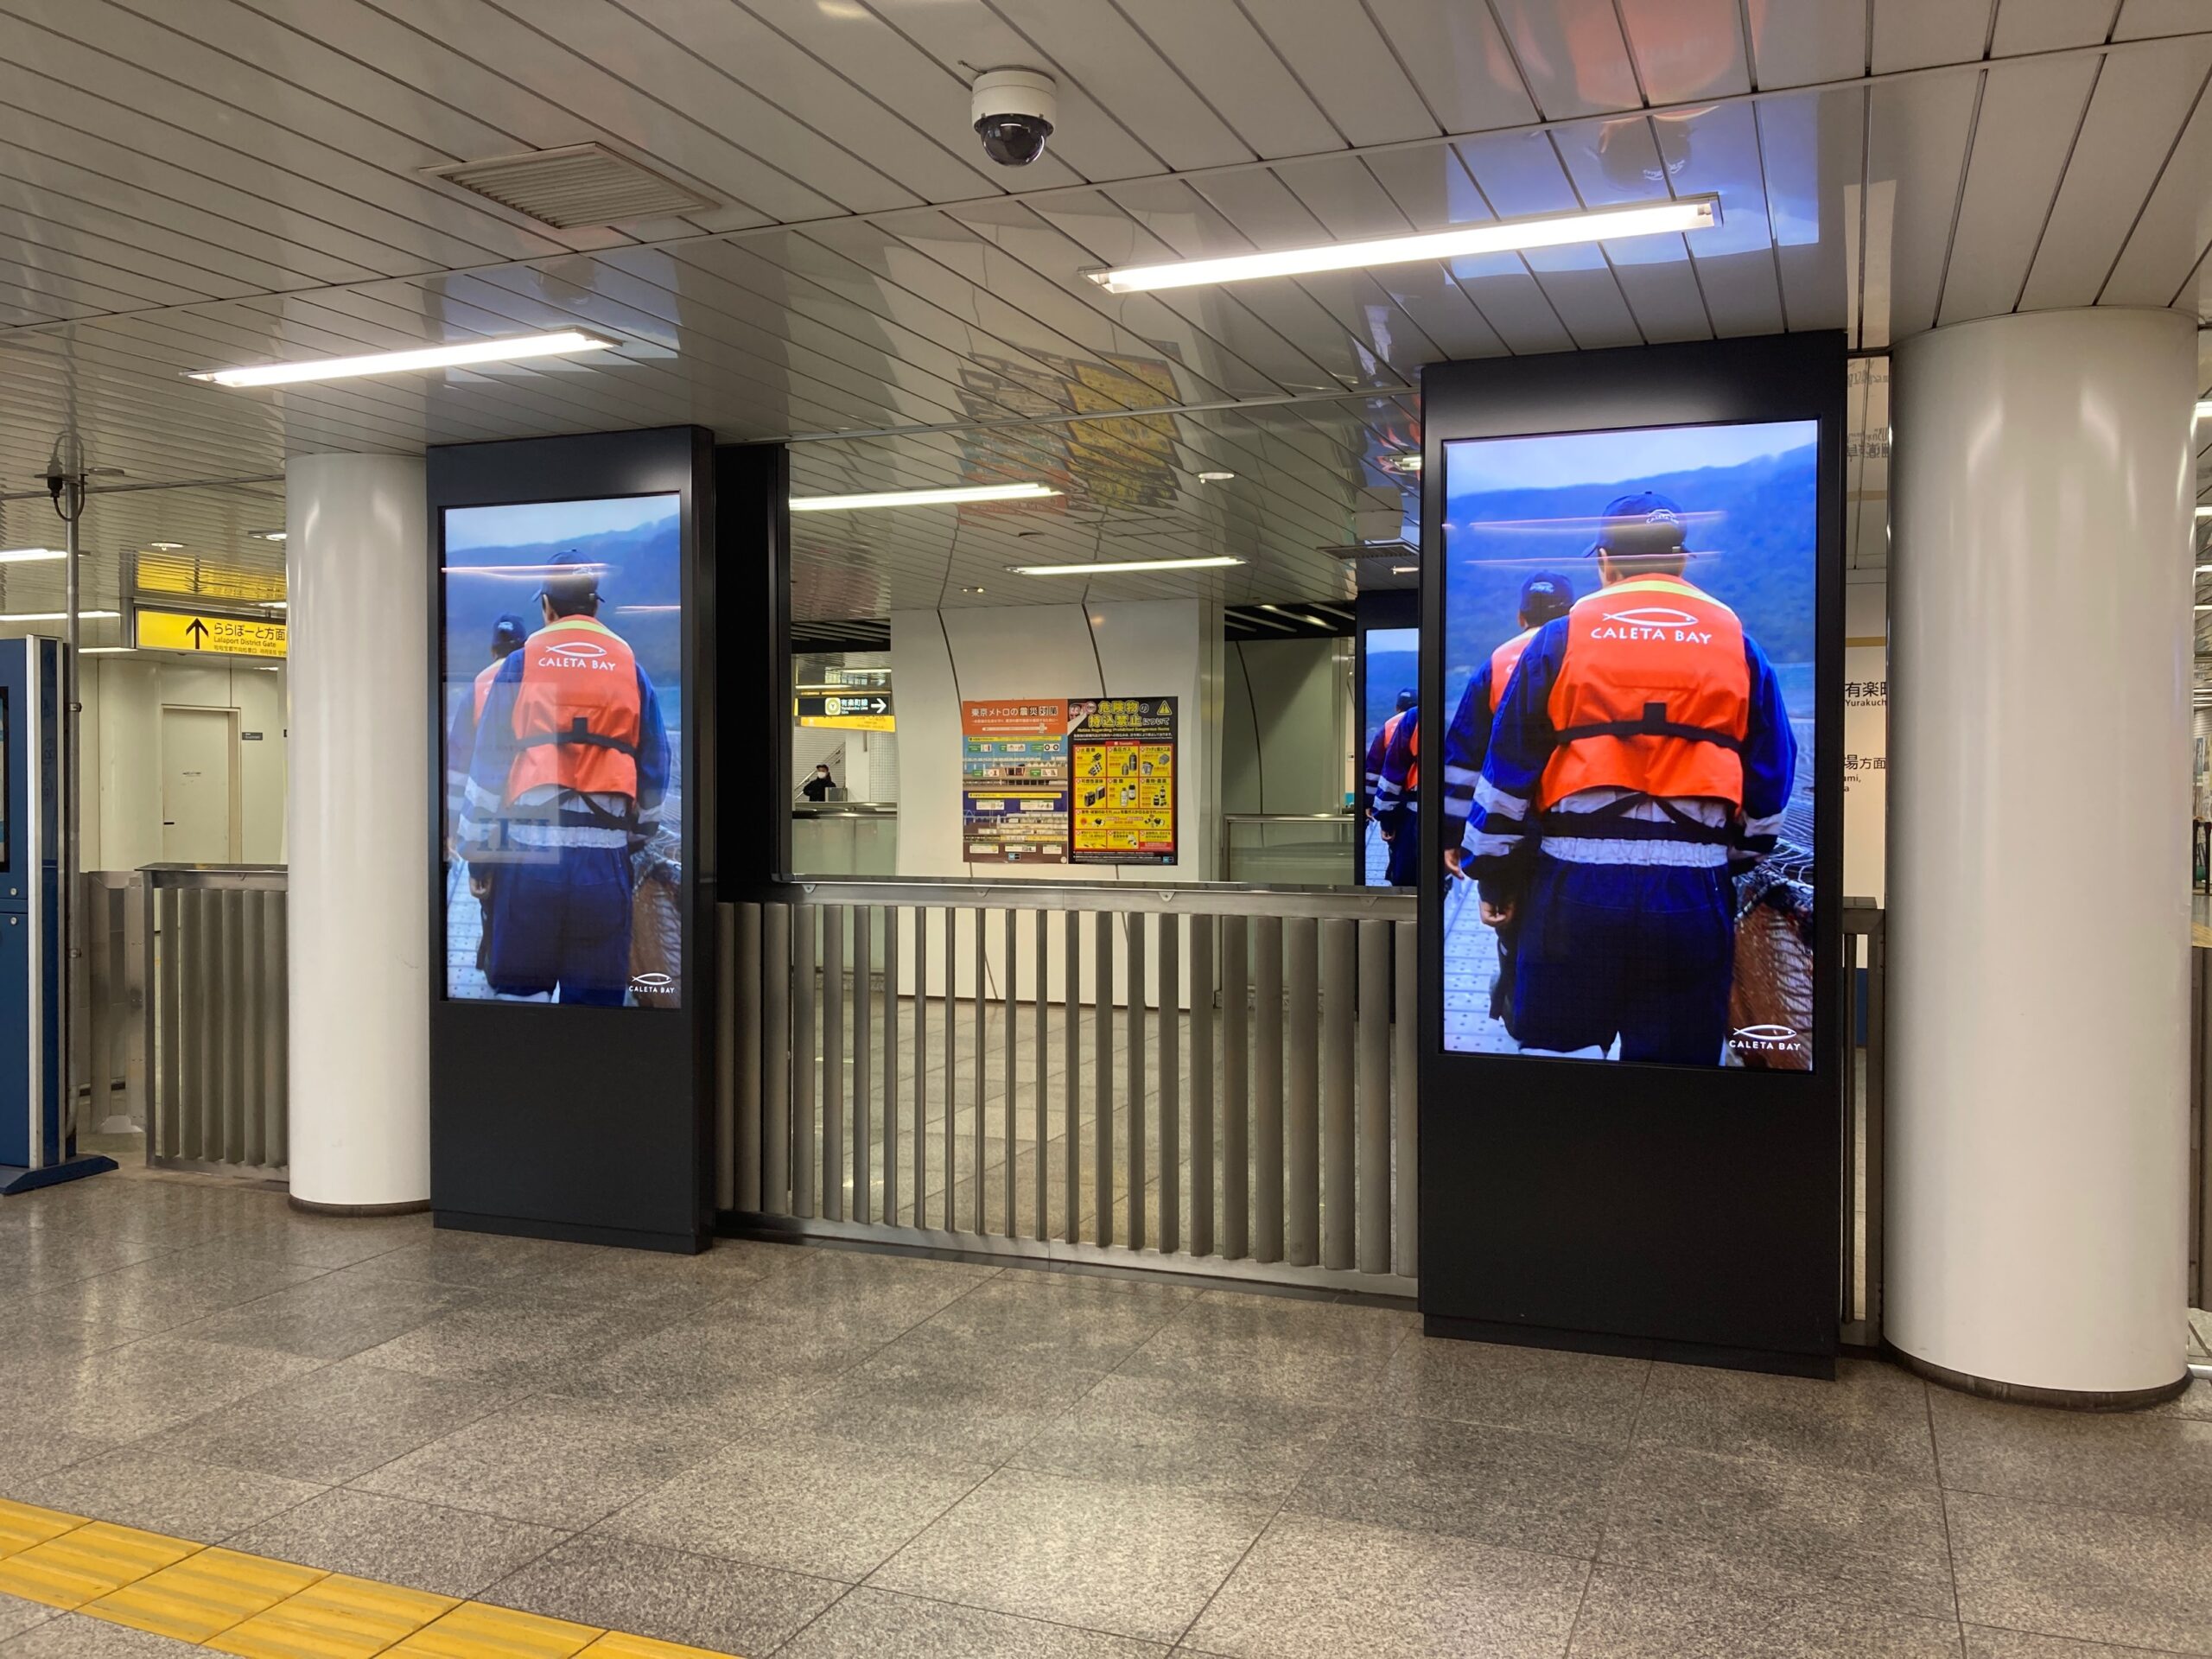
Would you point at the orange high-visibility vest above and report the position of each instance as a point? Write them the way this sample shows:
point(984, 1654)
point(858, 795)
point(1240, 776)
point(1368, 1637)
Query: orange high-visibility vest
point(1653, 694)
point(579, 715)
point(485, 675)
point(1501, 664)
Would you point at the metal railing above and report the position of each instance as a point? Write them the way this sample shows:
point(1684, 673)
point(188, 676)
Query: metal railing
point(1289, 848)
point(1208, 1080)
point(108, 1007)
point(216, 1017)
point(842, 839)
point(1862, 1289)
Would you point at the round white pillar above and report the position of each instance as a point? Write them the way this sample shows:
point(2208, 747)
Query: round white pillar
point(356, 818)
point(2040, 854)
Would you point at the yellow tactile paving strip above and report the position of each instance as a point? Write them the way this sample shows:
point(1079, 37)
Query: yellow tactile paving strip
point(257, 1608)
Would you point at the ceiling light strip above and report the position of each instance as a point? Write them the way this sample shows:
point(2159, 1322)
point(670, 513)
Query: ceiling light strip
point(1497, 236)
point(945, 498)
point(511, 349)
point(1122, 567)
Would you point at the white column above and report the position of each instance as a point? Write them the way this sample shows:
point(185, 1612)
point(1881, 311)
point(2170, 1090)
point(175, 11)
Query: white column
point(2038, 851)
point(356, 829)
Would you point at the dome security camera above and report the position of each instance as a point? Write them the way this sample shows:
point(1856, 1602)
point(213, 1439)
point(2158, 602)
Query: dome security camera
point(1013, 110)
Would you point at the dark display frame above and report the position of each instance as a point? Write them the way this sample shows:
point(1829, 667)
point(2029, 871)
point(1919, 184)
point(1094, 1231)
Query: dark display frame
point(563, 1121)
point(1686, 1212)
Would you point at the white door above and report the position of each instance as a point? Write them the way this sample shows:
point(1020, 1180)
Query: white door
point(198, 823)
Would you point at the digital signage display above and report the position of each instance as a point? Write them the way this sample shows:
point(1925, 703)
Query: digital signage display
point(1390, 675)
point(563, 670)
point(1630, 628)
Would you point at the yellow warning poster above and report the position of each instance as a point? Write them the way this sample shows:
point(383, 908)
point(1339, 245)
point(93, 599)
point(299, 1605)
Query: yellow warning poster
point(1121, 754)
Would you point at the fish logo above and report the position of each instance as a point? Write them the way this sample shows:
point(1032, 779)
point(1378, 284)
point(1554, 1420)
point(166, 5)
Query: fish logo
point(1653, 616)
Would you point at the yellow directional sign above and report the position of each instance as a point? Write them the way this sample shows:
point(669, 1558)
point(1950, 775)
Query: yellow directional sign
point(198, 630)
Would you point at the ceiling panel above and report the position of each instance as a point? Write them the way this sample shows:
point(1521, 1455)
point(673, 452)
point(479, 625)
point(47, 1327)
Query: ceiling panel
point(2050, 25)
point(1919, 130)
point(1223, 55)
point(2023, 134)
point(1347, 68)
point(2169, 237)
point(1801, 42)
point(1686, 49)
point(1914, 34)
point(1458, 58)
point(1571, 54)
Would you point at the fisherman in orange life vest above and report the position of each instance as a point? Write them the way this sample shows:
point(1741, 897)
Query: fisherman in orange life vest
point(569, 777)
point(1381, 746)
point(1466, 741)
point(507, 636)
point(1641, 753)
point(1397, 801)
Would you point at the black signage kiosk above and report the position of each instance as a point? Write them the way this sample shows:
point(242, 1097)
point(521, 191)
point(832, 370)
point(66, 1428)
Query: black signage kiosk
point(570, 1009)
point(1632, 1035)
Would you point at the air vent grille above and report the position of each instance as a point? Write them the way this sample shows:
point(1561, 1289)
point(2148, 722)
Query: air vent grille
point(577, 185)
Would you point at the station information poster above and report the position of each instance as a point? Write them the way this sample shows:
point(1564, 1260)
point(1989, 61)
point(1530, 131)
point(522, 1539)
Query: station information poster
point(1069, 781)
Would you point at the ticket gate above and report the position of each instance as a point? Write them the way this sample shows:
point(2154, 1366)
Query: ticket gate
point(37, 1141)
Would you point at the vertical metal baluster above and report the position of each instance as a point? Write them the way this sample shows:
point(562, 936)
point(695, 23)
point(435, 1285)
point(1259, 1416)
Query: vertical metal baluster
point(805, 993)
point(921, 1066)
point(250, 1010)
point(952, 1066)
point(1301, 1132)
point(198, 967)
point(1140, 1173)
point(1170, 1057)
point(1236, 1088)
point(1102, 1040)
point(738, 1167)
point(1007, 1000)
point(891, 1064)
point(1042, 988)
point(166, 947)
point(776, 980)
point(1405, 1175)
point(1267, 1088)
point(229, 930)
point(752, 1043)
point(1202, 1089)
point(1339, 970)
point(1072, 1073)
point(864, 1056)
point(833, 1062)
point(1373, 1105)
point(983, 1069)
point(277, 1041)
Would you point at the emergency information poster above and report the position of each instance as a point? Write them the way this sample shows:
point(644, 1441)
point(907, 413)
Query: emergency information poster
point(1053, 780)
point(1122, 755)
point(1013, 781)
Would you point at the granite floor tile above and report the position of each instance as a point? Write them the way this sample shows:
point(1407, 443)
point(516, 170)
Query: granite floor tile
point(1129, 1560)
point(422, 1546)
point(1080, 1320)
point(334, 1424)
point(161, 1492)
point(1192, 1434)
point(31, 1450)
point(935, 1401)
point(725, 1606)
point(1982, 1642)
point(1631, 1613)
point(1810, 1531)
point(324, 1241)
point(829, 1509)
point(839, 1296)
point(2194, 1401)
point(1587, 1396)
point(168, 1291)
point(1321, 1353)
point(470, 1261)
point(1313, 1588)
point(553, 1462)
point(1871, 1420)
point(512, 1341)
point(723, 1362)
point(2095, 1575)
point(152, 1384)
point(1496, 1485)
point(874, 1623)
point(331, 1316)
point(2123, 1460)
point(17, 1615)
point(79, 1636)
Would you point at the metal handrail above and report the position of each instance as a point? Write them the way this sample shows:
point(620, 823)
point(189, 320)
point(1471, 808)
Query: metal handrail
point(1346, 817)
point(844, 809)
point(1187, 898)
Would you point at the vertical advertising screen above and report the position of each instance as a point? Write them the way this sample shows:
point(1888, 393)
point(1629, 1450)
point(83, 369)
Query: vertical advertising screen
point(562, 676)
point(1629, 628)
point(1389, 827)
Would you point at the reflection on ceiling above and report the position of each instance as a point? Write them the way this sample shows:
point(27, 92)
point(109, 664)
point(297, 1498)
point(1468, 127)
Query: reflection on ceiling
point(184, 187)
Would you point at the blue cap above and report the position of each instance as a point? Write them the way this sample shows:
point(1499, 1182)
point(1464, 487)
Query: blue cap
point(508, 633)
point(1642, 524)
point(1545, 595)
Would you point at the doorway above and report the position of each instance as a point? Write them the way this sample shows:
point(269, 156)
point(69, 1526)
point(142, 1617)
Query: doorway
point(200, 817)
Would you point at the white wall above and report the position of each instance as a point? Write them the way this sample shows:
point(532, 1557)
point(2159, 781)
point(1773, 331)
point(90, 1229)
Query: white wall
point(1286, 725)
point(123, 697)
point(939, 659)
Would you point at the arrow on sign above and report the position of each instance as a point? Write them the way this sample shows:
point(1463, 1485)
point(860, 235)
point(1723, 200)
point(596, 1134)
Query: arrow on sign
point(881, 707)
point(198, 630)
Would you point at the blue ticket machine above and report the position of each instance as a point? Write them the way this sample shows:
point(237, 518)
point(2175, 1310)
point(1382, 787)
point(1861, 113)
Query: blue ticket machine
point(36, 1143)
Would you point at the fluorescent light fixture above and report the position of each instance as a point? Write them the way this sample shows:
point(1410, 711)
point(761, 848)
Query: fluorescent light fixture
point(105, 651)
point(267, 535)
point(165, 547)
point(511, 349)
point(1118, 566)
point(1404, 569)
point(2204, 513)
point(1498, 236)
point(57, 616)
point(1029, 491)
point(31, 555)
point(2204, 409)
point(1215, 477)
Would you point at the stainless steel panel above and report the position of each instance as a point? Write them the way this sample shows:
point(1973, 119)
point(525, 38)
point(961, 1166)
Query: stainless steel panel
point(737, 1121)
point(1202, 1084)
point(891, 1205)
point(1171, 1082)
point(1101, 1035)
point(950, 1177)
point(1072, 1076)
point(1041, 986)
point(833, 1062)
point(1339, 953)
point(863, 1057)
point(1301, 1132)
point(1373, 1101)
point(1405, 1177)
point(982, 1065)
point(1007, 987)
point(777, 979)
point(805, 993)
point(1140, 1173)
point(1236, 1088)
